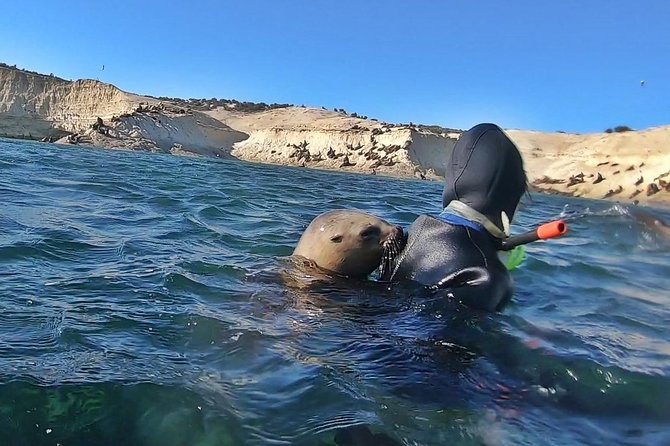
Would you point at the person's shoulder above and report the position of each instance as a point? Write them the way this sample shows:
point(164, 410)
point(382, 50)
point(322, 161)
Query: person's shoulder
point(424, 219)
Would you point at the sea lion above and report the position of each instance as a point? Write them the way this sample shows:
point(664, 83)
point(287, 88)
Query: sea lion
point(350, 243)
point(651, 222)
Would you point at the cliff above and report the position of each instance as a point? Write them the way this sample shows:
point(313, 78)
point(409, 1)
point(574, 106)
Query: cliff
point(625, 166)
point(38, 105)
point(46, 107)
point(323, 139)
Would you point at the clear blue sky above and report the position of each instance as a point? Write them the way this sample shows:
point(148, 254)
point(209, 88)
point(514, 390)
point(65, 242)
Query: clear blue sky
point(544, 65)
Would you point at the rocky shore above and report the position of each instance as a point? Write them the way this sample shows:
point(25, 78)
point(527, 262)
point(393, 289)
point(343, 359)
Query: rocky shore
point(623, 166)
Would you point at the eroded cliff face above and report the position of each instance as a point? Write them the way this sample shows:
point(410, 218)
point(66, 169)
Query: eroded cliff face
point(164, 131)
point(323, 139)
point(38, 106)
point(626, 166)
point(394, 152)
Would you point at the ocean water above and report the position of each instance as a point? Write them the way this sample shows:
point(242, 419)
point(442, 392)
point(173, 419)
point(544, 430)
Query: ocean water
point(142, 302)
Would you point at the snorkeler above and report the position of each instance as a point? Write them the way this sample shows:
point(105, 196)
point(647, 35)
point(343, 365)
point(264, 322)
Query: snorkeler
point(457, 251)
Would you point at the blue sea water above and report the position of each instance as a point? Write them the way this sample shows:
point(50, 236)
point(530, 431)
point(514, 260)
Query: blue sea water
point(142, 303)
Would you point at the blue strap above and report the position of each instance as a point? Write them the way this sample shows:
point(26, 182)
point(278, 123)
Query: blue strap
point(460, 221)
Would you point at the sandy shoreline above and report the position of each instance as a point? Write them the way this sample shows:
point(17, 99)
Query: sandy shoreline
point(627, 167)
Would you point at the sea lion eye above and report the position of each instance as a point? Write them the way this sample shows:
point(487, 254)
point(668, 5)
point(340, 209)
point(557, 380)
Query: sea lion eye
point(336, 238)
point(369, 232)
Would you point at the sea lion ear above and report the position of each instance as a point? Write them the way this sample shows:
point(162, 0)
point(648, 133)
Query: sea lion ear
point(337, 238)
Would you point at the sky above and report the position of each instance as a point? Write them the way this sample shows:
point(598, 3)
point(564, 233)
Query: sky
point(565, 65)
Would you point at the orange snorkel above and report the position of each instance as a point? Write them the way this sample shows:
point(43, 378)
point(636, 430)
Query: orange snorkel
point(545, 231)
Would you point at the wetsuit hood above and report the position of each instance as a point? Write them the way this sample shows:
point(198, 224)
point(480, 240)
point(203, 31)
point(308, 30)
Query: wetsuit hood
point(485, 171)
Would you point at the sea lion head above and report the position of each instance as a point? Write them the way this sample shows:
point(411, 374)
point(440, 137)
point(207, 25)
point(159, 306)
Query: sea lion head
point(351, 243)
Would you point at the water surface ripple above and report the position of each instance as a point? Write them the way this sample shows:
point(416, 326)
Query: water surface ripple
point(142, 303)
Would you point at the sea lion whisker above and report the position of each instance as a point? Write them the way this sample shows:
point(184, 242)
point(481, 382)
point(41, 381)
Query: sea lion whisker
point(391, 250)
point(394, 249)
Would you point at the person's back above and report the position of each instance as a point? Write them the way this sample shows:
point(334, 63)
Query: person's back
point(457, 251)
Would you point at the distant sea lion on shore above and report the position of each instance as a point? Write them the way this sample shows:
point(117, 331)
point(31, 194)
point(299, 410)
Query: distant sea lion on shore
point(350, 243)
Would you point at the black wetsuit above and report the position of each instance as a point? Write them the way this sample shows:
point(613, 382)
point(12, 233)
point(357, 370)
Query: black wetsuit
point(458, 256)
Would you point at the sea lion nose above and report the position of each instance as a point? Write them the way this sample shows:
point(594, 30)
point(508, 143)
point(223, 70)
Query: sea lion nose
point(401, 237)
